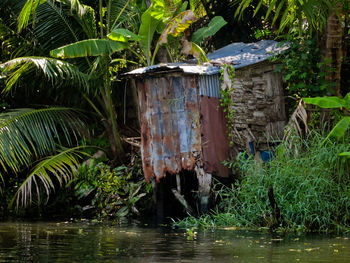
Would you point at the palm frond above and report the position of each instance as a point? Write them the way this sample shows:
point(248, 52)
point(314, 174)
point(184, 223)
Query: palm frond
point(29, 134)
point(55, 26)
point(289, 11)
point(28, 9)
point(13, 44)
point(119, 11)
point(61, 167)
point(56, 71)
point(57, 22)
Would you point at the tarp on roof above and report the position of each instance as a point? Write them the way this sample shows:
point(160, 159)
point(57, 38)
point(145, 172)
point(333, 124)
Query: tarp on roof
point(177, 67)
point(242, 54)
point(238, 54)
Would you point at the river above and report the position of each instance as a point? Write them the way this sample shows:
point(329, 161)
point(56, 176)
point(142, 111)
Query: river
point(89, 242)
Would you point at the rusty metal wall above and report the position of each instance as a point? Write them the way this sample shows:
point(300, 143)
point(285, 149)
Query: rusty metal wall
point(170, 128)
point(215, 143)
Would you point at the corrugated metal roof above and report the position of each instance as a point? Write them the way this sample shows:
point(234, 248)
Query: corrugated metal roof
point(242, 54)
point(180, 67)
point(239, 54)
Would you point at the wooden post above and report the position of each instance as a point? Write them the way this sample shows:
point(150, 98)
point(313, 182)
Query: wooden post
point(204, 186)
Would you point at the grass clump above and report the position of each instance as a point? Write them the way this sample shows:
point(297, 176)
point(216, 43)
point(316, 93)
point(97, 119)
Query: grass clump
point(310, 188)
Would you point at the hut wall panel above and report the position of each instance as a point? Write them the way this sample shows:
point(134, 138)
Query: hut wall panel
point(258, 105)
point(170, 130)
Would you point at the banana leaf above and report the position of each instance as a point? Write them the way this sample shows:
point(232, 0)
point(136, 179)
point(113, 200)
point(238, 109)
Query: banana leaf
point(214, 26)
point(90, 47)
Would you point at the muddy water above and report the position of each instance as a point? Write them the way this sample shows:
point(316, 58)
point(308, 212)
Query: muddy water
point(83, 242)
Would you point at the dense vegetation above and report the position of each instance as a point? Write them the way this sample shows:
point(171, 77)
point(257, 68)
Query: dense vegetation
point(63, 98)
point(305, 187)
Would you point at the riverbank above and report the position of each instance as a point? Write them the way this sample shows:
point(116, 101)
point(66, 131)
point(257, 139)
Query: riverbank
point(304, 188)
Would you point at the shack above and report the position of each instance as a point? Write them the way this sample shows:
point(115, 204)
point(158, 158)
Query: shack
point(258, 97)
point(183, 127)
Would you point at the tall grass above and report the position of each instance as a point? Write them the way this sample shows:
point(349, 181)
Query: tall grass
point(311, 189)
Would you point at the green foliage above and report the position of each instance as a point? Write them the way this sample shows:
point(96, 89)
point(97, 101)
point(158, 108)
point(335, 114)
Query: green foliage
point(292, 13)
point(123, 35)
point(311, 190)
point(340, 129)
point(90, 47)
point(28, 140)
point(111, 192)
point(77, 23)
point(61, 167)
point(301, 68)
point(150, 21)
point(54, 70)
point(29, 134)
point(172, 20)
point(215, 24)
point(227, 76)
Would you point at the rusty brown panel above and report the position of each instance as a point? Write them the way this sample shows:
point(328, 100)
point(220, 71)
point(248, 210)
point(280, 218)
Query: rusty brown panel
point(170, 130)
point(215, 144)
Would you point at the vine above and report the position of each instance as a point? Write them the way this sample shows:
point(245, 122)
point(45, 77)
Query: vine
point(227, 75)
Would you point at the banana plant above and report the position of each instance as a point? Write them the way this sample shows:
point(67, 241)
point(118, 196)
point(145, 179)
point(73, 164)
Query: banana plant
point(170, 19)
point(343, 125)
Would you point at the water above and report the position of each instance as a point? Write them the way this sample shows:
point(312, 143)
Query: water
point(82, 242)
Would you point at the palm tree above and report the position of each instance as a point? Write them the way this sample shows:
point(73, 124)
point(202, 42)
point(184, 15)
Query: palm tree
point(28, 137)
point(77, 33)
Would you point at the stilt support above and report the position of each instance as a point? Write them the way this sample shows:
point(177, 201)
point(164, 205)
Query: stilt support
point(204, 186)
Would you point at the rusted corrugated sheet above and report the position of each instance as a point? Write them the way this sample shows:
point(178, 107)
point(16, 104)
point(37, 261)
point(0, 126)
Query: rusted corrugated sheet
point(215, 144)
point(170, 128)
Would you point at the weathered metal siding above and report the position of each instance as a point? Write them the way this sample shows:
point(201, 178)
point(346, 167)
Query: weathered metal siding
point(209, 85)
point(170, 128)
point(215, 143)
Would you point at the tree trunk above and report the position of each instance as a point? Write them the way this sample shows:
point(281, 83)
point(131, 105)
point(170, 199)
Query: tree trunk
point(148, 3)
point(334, 51)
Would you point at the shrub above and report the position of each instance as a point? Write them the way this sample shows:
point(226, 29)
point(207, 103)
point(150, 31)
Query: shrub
point(311, 190)
point(111, 192)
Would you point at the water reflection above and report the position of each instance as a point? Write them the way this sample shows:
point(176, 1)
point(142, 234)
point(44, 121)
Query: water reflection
point(72, 242)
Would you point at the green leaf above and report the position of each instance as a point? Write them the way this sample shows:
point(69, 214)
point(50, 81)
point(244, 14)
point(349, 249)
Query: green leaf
point(55, 70)
point(90, 47)
point(123, 35)
point(28, 9)
point(326, 102)
point(118, 11)
point(28, 134)
point(61, 166)
point(339, 129)
point(347, 100)
point(123, 212)
point(199, 53)
point(214, 26)
point(346, 154)
point(150, 20)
